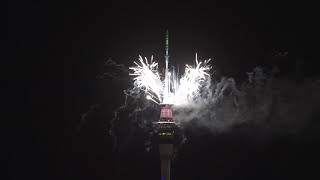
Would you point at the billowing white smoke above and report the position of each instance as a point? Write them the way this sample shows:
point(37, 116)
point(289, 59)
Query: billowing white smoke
point(263, 101)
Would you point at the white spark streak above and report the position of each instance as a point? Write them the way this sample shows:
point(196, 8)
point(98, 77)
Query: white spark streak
point(147, 78)
point(171, 90)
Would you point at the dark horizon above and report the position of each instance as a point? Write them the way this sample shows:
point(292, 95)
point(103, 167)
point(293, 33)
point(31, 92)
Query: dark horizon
point(59, 50)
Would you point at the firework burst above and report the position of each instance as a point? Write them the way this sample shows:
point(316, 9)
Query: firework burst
point(171, 89)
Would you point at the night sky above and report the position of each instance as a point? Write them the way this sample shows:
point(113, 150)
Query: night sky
point(57, 51)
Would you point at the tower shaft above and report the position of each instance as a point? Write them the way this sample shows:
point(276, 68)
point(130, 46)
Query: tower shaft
point(166, 151)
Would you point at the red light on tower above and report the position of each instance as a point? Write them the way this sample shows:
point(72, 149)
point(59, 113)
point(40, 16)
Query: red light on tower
point(166, 113)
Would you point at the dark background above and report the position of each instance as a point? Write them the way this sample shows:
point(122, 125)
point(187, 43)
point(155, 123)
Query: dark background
point(57, 50)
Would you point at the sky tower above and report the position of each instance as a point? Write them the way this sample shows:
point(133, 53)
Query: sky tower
point(166, 125)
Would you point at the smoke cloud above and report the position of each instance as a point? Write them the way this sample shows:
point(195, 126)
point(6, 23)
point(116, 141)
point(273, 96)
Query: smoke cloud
point(264, 101)
point(279, 105)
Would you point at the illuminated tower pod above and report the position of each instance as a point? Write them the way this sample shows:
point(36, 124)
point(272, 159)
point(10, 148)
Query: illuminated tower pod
point(166, 126)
